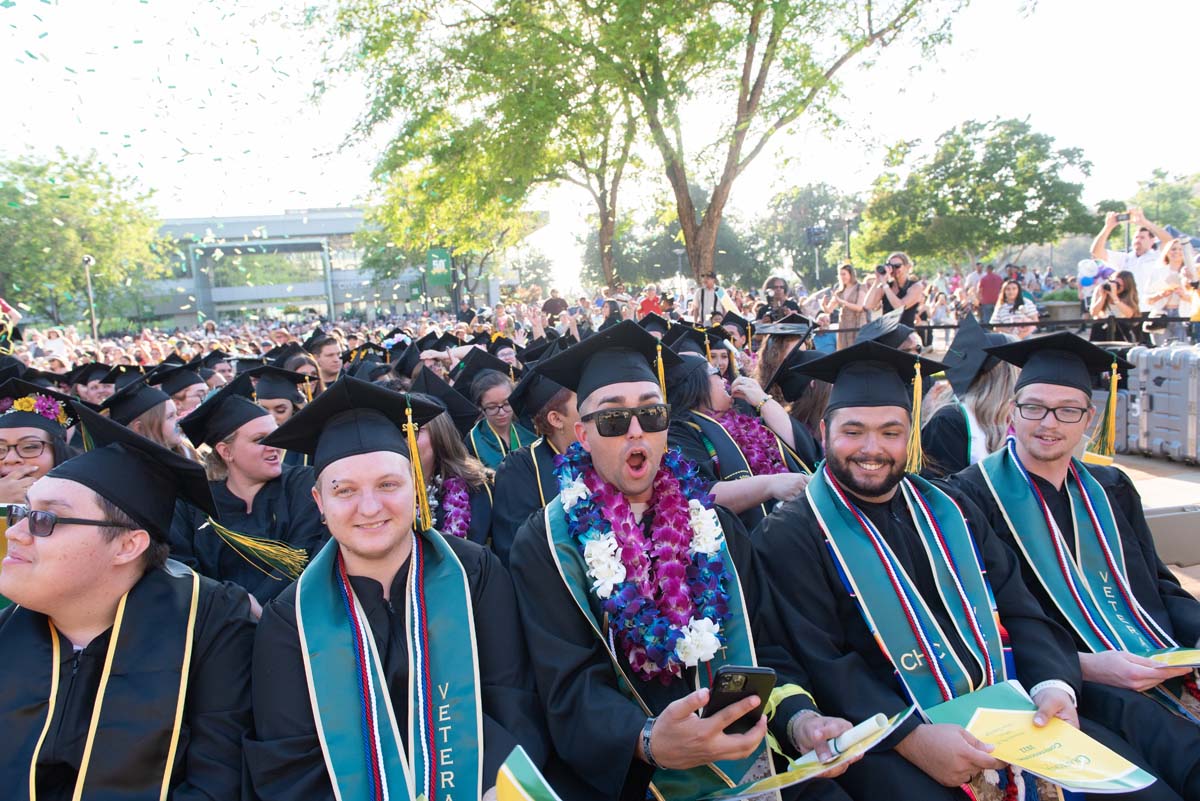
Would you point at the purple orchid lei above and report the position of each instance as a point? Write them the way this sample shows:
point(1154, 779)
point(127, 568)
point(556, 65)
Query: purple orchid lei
point(756, 442)
point(456, 506)
point(673, 591)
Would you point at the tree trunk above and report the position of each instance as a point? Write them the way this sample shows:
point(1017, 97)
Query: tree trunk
point(607, 238)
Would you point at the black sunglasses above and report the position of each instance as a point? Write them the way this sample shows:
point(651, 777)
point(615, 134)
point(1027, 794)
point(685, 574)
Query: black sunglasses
point(615, 422)
point(41, 524)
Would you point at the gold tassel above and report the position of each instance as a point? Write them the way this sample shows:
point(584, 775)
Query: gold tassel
point(268, 556)
point(1103, 444)
point(308, 390)
point(916, 458)
point(707, 349)
point(662, 378)
point(424, 518)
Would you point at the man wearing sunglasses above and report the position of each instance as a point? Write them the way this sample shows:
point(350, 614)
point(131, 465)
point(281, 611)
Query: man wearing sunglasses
point(1066, 519)
point(619, 639)
point(124, 675)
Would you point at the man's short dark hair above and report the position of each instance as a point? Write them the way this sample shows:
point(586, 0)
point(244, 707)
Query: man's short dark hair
point(156, 553)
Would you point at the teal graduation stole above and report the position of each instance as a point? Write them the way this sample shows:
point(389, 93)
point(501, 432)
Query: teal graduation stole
point(738, 650)
point(352, 707)
point(1090, 586)
point(896, 613)
point(490, 448)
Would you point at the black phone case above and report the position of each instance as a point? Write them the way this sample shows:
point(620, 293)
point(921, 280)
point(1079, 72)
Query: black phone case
point(760, 681)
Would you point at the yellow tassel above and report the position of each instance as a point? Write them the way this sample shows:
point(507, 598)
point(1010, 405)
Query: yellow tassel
point(916, 458)
point(707, 349)
point(662, 378)
point(424, 519)
point(308, 390)
point(1104, 442)
point(268, 556)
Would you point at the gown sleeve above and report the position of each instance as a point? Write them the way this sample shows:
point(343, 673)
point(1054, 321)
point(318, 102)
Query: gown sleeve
point(218, 713)
point(481, 514)
point(944, 440)
point(182, 534)
point(516, 498)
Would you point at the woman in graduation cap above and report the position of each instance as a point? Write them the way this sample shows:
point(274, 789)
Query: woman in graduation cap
point(488, 382)
point(149, 412)
point(124, 674)
point(458, 485)
point(282, 393)
point(183, 384)
point(396, 665)
point(266, 526)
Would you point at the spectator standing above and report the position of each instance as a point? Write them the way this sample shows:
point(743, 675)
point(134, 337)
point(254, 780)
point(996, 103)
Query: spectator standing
point(899, 289)
point(1143, 262)
point(1014, 307)
point(650, 302)
point(1173, 291)
point(970, 283)
point(779, 305)
point(554, 306)
point(707, 299)
point(849, 299)
point(989, 293)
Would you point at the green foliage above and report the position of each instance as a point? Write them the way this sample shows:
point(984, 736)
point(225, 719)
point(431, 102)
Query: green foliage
point(1171, 201)
point(53, 213)
point(988, 187)
point(782, 232)
point(1064, 294)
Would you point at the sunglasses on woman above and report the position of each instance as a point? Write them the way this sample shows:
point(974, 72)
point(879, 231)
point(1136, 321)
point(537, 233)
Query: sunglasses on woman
point(41, 524)
point(615, 422)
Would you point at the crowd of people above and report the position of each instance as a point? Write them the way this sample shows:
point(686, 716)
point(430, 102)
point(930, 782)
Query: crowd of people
point(278, 561)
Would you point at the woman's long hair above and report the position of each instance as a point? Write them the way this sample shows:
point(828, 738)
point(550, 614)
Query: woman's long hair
point(1018, 300)
point(692, 393)
point(1130, 295)
point(988, 400)
point(150, 423)
point(451, 454)
point(809, 408)
point(770, 355)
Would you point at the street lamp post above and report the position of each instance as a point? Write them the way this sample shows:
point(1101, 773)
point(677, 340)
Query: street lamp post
point(88, 261)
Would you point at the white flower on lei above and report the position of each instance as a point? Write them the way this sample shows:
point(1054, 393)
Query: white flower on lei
point(699, 642)
point(573, 493)
point(707, 534)
point(604, 566)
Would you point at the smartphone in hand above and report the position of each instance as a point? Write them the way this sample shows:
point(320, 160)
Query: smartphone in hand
point(735, 682)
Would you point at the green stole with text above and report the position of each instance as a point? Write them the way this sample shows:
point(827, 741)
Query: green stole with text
point(738, 650)
point(899, 617)
point(445, 713)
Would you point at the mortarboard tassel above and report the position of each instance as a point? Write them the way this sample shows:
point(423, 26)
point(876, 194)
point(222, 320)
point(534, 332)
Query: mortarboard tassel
point(662, 379)
point(425, 519)
point(308, 390)
point(268, 556)
point(1104, 442)
point(916, 458)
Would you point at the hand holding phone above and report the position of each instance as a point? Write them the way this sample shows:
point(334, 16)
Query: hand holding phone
point(735, 682)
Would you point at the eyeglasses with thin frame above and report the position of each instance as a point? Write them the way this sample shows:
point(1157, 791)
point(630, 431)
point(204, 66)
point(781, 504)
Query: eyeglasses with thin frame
point(493, 409)
point(614, 422)
point(30, 449)
point(41, 524)
point(1064, 414)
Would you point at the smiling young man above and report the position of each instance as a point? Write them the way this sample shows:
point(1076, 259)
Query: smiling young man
point(871, 541)
point(395, 666)
point(124, 674)
point(635, 590)
point(1087, 555)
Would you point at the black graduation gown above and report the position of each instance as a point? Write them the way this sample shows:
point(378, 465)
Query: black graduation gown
point(1170, 744)
point(480, 528)
point(944, 440)
point(283, 510)
point(216, 713)
point(284, 758)
point(819, 623)
point(520, 493)
point(807, 447)
point(593, 725)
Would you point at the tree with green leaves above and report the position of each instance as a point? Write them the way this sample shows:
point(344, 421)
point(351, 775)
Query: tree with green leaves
point(55, 211)
point(1170, 201)
point(783, 231)
point(988, 189)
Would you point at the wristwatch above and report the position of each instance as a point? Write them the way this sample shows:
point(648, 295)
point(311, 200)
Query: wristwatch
point(646, 731)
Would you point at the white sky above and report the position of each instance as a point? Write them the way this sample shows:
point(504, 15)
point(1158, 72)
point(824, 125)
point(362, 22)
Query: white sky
point(208, 103)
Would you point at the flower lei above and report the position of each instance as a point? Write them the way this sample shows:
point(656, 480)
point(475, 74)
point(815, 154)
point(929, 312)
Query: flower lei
point(451, 493)
point(665, 595)
point(755, 440)
point(38, 404)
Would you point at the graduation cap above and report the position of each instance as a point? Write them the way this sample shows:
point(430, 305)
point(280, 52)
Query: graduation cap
point(697, 340)
point(279, 354)
point(354, 417)
point(211, 359)
point(221, 413)
point(428, 341)
point(458, 406)
point(138, 476)
point(244, 364)
point(886, 330)
point(275, 383)
point(87, 373)
point(370, 370)
point(474, 363)
point(793, 325)
point(624, 352)
point(26, 405)
point(655, 323)
point(122, 375)
point(739, 322)
point(500, 342)
point(966, 358)
point(176, 379)
point(132, 400)
point(10, 368)
point(1068, 360)
point(690, 363)
point(41, 378)
point(534, 390)
point(871, 374)
point(405, 359)
point(317, 337)
point(788, 378)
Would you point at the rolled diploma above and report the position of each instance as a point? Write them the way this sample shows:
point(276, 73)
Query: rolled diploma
point(851, 738)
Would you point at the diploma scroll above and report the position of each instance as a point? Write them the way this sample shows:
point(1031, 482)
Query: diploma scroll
point(847, 740)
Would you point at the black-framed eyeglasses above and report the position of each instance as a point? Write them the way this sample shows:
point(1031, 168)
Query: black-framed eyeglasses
point(31, 449)
point(494, 409)
point(1064, 414)
point(615, 422)
point(41, 524)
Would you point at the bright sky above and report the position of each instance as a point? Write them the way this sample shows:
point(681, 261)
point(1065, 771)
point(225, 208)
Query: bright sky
point(209, 103)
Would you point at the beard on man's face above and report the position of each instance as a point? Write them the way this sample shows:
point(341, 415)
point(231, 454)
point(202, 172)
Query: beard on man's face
point(861, 482)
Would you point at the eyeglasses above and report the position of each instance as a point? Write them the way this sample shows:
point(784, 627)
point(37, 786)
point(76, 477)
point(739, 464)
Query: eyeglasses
point(41, 524)
point(26, 450)
point(778, 286)
point(615, 422)
point(895, 265)
point(495, 409)
point(1064, 414)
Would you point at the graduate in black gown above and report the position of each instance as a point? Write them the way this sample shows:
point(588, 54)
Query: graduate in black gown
point(571, 580)
point(124, 674)
point(525, 480)
point(975, 422)
point(1033, 480)
point(282, 393)
point(488, 382)
point(434, 616)
point(267, 525)
point(822, 554)
point(793, 386)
